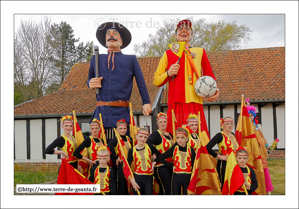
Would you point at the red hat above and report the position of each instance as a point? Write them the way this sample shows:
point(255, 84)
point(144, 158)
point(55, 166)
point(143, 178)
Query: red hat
point(184, 23)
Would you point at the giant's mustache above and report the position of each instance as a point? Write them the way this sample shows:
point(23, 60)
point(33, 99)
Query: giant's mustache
point(111, 38)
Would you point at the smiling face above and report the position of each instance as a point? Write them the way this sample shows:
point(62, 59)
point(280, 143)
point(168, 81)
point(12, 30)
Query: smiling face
point(67, 126)
point(95, 129)
point(162, 123)
point(183, 34)
point(122, 129)
point(141, 137)
point(113, 39)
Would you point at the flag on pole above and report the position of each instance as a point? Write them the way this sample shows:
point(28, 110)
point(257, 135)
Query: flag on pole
point(79, 139)
point(69, 175)
point(177, 48)
point(126, 168)
point(204, 178)
point(132, 126)
point(247, 138)
point(102, 134)
point(173, 126)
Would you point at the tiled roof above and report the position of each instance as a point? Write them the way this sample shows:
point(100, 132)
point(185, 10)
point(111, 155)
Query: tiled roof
point(257, 73)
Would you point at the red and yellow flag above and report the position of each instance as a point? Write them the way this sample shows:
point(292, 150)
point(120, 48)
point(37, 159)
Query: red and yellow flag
point(126, 168)
point(102, 134)
point(177, 48)
point(233, 178)
point(132, 126)
point(79, 139)
point(69, 175)
point(204, 178)
point(247, 138)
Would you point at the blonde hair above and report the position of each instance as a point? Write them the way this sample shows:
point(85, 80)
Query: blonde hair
point(104, 152)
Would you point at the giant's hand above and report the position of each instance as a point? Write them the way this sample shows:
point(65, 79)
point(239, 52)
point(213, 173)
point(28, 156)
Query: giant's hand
point(174, 69)
point(95, 83)
point(147, 109)
point(214, 97)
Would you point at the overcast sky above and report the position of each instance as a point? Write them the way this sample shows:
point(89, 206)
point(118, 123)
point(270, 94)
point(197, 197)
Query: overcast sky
point(265, 19)
point(268, 30)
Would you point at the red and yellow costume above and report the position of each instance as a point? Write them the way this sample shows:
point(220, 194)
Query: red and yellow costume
point(181, 95)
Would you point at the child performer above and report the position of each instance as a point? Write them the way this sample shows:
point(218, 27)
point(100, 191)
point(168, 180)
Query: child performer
point(92, 143)
point(162, 141)
point(249, 174)
point(121, 182)
point(67, 143)
point(183, 158)
point(141, 156)
point(193, 138)
point(103, 174)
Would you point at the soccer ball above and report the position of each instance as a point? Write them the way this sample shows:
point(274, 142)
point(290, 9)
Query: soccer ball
point(205, 86)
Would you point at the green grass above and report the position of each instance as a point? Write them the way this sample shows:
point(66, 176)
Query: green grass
point(277, 173)
point(276, 169)
point(33, 177)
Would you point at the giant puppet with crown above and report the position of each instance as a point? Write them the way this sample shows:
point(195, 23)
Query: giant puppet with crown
point(182, 66)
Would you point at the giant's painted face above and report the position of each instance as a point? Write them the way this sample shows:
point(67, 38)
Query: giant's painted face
point(113, 39)
point(184, 34)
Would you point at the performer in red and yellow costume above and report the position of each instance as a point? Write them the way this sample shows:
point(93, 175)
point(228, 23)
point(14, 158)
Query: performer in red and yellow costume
point(183, 158)
point(181, 95)
point(126, 143)
point(193, 137)
point(227, 143)
point(162, 140)
point(141, 157)
point(92, 143)
point(67, 143)
point(103, 174)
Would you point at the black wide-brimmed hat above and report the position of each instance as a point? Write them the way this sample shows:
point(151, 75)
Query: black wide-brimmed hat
point(124, 33)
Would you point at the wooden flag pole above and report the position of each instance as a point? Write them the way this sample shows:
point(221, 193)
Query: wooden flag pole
point(103, 130)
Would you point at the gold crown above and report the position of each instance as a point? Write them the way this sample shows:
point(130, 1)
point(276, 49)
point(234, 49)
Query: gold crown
point(161, 114)
point(192, 116)
point(103, 147)
point(96, 120)
point(66, 117)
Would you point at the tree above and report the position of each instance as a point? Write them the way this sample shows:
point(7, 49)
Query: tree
point(210, 36)
point(31, 59)
point(65, 53)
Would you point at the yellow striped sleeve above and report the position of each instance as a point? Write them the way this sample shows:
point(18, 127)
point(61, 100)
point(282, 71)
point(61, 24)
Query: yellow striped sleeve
point(161, 74)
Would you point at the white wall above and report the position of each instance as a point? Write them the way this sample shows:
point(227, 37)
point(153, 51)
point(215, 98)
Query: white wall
point(267, 123)
point(206, 111)
point(20, 139)
point(280, 118)
point(215, 120)
point(51, 135)
point(36, 139)
point(142, 121)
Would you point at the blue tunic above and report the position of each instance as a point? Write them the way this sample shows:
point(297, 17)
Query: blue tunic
point(117, 85)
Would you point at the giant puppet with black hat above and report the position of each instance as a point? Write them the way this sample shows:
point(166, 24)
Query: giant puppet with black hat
point(115, 76)
point(182, 73)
